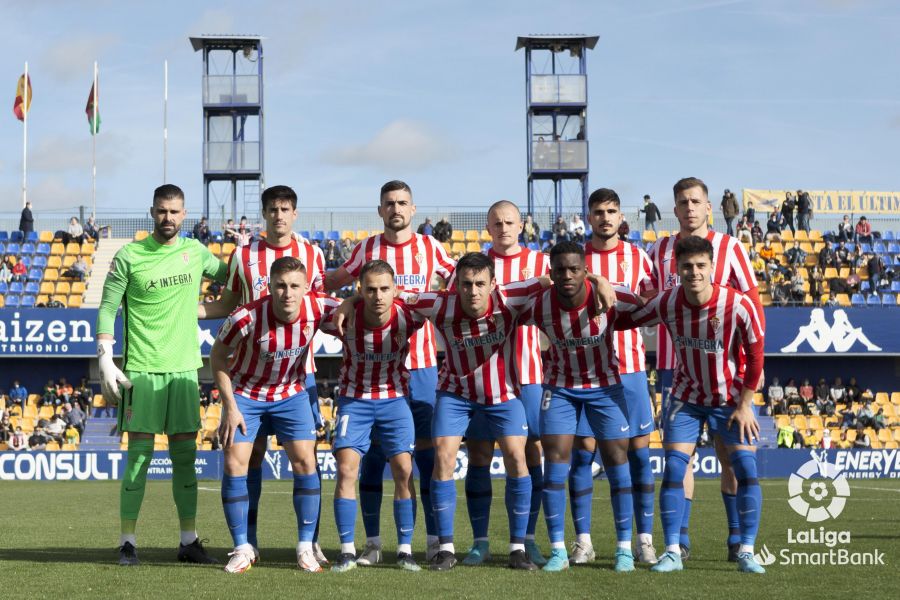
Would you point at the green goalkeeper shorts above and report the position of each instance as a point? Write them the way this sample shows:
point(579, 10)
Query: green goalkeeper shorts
point(160, 403)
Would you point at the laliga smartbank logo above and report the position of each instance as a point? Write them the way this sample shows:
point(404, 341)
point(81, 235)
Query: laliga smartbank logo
point(818, 491)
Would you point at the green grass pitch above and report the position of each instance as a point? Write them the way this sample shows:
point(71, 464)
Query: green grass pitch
point(58, 541)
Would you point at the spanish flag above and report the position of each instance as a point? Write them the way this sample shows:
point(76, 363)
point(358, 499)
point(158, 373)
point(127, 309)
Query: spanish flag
point(20, 107)
point(89, 109)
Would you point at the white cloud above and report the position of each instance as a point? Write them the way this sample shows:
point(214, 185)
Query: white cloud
point(72, 58)
point(400, 144)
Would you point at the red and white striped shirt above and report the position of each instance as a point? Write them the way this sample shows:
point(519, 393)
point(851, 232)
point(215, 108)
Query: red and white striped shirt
point(731, 267)
point(519, 267)
point(628, 266)
point(480, 355)
point(714, 343)
point(248, 271)
point(415, 264)
point(374, 364)
point(582, 339)
point(268, 362)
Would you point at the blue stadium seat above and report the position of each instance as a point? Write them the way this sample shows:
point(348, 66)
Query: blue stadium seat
point(12, 302)
point(889, 300)
point(488, 245)
point(858, 300)
point(27, 302)
point(895, 286)
point(879, 248)
point(17, 236)
point(40, 261)
point(217, 237)
point(26, 260)
point(534, 246)
point(43, 249)
point(32, 287)
point(27, 249)
point(334, 235)
point(31, 236)
point(893, 248)
point(634, 236)
point(888, 235)
point(318, 235)
point(186, 234)
point(16, 287)
point(13, 248)
point(865, 248)
point(873, 300)
point(304, 234)
point(4, 236)
point(4, 288)
point(864, 286)
point(35, 274)
point(2, 249)
point(897, 260)
point(546, 235)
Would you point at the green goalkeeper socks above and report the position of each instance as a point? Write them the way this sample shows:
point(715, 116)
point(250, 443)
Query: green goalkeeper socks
point(184, 481)
point(134, 480)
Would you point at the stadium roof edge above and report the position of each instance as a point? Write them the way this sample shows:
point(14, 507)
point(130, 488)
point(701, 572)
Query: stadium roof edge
point(565, 40)
point(198, 41)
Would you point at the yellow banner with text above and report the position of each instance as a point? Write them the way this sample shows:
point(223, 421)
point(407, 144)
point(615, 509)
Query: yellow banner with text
point(859, 203)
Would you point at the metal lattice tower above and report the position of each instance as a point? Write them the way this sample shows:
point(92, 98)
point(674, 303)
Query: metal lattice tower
point(556, 117)
point(232, 121)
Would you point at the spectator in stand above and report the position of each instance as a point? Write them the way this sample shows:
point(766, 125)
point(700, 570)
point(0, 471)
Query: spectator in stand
point(576, 229)
point(38, 440)
point(425, 228)
point(230, 234)
point(56, 429)
point(774, 225)
point(787, 211)
point(244, 232)
point(848, 419)
point(560, 230)
point(18, 441)
point(49, 396)
point(201, 231)
point(844, 443)
point(780, 287)
point(767, 252)
point(827, 257)
point(807, 395)
point(26, 221)
point(84, 395)
point(531, 232)
point(798, 293)
point(852, 393)
point(214, 396)
point(756, 232)
point(332, 255)
point(826, 442)
point(750, 213)
point(866, 416)
point(78, 269)
point(204, 397)
point(792, 396)
point(837, 392)
point(815, 284)
point(64, 390)
point(862, 438)
point(776, 398)
point(5, 272)
point(72, 435)
point(651, 213)
point(759, 266)
point(18, 394)
point(845, 230)
point(877, 269)
point(730, 210)
point(879, 422)
point(863, 231)
point(810, 440)
point(796, 256)
point(824, 402)
point(6, 428)
point(843, 257)
point(74, 233)
point(346, 249)
point(804, 210)
point(744, 231)
point(94, 231)
point(19, 271)
point(624, 230)
point(443, 231)
point(75, 417)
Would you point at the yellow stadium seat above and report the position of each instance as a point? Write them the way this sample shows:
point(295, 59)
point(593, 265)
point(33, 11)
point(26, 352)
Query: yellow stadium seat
point(801, 236)
point(63, 287)
point(884, 435)
point(843, 300)
point(54, 262)
point(68, 260)
point(57, 249)
point(814, 422)
point(30, 412)
point(215, 248)
point(327, 411)
point(214, 411)
point(473, 247)
point(758, 399)
point(140, 235)
point(64, 300)
point(88, 249)
point(348, 233)
point(782, 421)
point(52, 447)
point(74, 301)
point(459, 247)
point(32, 399)
point(227, 248)
point(889, 410)
point(844, 272)
point(472, 235)
point(799, 422)
point(361, 234)
point(206, 446)
point(77, 287)
point(649, 236)
point(447, 247)
point(47, 287)
point(73, 248)
point(787, 236)
point(890, 445)
point(485, 236)
point(458, 236)
point(766, 299)
point(45, 237)
point(89, 260)
point(46, 412)
point(2, 301)
point(815, 235)
point(69, 447)
point(895, 398)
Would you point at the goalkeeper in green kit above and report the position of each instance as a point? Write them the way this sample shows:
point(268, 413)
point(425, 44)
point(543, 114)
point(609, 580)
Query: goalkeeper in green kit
point(157, 282)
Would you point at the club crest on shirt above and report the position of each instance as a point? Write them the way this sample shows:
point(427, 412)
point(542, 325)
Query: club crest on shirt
point(185, 257)
point(527, 273)
point(419, 257)
point(625, 265)
point(714, 323)
point(598, 319)
point(307, 331)
point(671, 280)
point(411, 298)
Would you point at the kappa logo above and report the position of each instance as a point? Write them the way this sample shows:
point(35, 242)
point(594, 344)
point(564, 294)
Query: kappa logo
point(820, 336)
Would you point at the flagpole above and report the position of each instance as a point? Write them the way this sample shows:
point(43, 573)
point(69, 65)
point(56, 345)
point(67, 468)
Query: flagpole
point(165, 117)
point(25, 140)
point(94, 147)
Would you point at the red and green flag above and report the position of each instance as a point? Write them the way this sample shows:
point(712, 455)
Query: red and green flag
point(93, 109)
point(23, 91)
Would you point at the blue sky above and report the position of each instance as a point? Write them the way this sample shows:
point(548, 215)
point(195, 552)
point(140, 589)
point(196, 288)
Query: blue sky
point(763, 94)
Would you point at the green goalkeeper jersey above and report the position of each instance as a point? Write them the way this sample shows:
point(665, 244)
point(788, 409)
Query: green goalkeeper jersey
point(158, 287)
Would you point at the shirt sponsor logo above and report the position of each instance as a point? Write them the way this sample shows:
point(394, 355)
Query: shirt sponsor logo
point(376, 356)
point(592, 340)
point(488, 339)
point(703, 344)
point(172, 280)
point(410, 280)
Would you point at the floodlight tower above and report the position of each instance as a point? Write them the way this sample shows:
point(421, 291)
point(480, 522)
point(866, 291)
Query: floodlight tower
point(232, 120)
point(556, 115)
